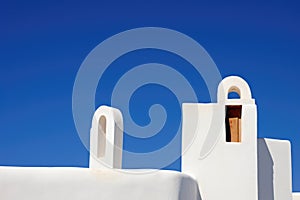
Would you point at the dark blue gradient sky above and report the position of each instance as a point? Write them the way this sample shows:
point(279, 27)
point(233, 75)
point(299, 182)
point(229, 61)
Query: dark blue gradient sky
point(44, 43)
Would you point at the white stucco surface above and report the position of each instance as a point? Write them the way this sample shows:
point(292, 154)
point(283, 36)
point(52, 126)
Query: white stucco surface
point(93, 184)
point(214, 166)
point(274, 158)
point(106, 138)
point(224, 170)
point(296, 196)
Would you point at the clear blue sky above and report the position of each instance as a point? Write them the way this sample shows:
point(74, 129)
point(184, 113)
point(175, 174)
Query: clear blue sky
point(44, 43)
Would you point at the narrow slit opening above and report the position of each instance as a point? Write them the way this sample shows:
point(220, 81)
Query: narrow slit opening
point(102, 136)
point(233, 123)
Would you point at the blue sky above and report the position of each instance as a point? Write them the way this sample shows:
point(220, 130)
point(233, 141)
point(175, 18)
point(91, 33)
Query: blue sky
point(44, 43)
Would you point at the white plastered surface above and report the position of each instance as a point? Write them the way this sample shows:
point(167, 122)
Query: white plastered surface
point(296, 196)
point(34, 183)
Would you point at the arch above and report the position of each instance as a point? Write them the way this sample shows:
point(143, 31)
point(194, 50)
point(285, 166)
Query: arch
point(234, 84)
point(106, 138)
point(234, 89)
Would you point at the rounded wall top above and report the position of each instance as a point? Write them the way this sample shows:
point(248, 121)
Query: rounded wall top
point(234, 84)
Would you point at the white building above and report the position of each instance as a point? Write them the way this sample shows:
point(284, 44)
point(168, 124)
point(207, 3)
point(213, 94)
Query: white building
point(222, 159)
point(225, 155)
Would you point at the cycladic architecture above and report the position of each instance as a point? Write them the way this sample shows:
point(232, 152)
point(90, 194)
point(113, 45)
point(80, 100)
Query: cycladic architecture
point(223, 155)
point(226, 156)
point(221, 159)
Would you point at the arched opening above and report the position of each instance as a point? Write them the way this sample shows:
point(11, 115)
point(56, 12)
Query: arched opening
point(101, 136)
point(234, 93)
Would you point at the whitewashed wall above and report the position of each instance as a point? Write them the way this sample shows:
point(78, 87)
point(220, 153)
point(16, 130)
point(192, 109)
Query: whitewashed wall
point(106, 138)
point(94, 184)
point(296, 196)
point(212, 168)
point(274, 169)
point(224, 170)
